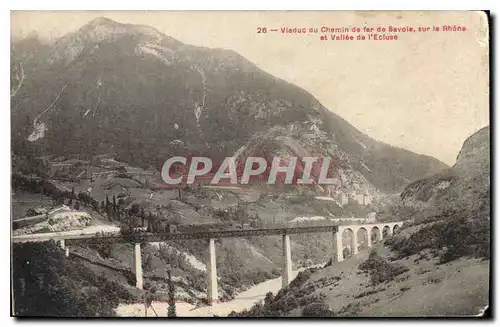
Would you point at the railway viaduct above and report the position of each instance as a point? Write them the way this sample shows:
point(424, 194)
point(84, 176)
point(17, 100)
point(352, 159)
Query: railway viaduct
point(361, 236)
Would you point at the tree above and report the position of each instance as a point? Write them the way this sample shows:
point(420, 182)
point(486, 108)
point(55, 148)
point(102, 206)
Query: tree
point(148, 299)
point(134, 209)
point(269, 299)
point(317, 309)
point(171, 297)
point(46, 283)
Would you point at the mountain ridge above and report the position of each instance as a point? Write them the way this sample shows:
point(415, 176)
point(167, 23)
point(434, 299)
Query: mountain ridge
point(122, 88)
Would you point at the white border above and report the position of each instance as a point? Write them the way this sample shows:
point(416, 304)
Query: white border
point(181, 5)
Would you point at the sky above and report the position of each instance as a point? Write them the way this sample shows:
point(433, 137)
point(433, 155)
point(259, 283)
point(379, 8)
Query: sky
point(425, 92)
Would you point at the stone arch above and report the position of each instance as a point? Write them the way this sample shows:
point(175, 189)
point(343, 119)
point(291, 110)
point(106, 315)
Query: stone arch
point(386, 232)
point(347, 243)
point(396, 229)
point(362, 238)
point(375, 234)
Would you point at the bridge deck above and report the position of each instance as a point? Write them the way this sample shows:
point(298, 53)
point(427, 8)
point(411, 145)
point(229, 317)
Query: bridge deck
point(161, 237)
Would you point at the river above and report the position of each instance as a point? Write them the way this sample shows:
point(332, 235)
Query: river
point(242, 301)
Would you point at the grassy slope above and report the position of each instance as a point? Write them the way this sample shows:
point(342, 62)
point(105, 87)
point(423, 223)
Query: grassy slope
point(459, 287)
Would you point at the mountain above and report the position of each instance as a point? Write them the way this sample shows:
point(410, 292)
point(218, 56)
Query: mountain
point(463, 188)
point(129, 89)
point(451, 210)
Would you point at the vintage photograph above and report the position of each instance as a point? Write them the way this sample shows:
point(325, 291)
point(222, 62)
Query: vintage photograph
point(245, 164)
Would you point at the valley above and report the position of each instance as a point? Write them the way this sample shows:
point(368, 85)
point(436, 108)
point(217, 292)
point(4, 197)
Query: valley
point(97, 113)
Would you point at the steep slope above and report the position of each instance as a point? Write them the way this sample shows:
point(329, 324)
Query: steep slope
point(463, 189)
point(420, 287)
point(452, 209)
point(132, 90)
point(47, 284)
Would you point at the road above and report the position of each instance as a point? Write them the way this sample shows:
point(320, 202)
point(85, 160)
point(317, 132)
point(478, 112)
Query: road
point(87, 231)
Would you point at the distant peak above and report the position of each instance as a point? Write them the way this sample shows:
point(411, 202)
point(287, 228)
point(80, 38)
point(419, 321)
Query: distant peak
point(103, 27)
point(100, 21)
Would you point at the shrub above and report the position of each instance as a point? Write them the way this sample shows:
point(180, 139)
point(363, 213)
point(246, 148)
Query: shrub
point(350, 310)
point(458, 237)
point(317, 309)
point(370, 292)
point(104, 249)
point(405, 288)
point(380, 269)
point(433, 280)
